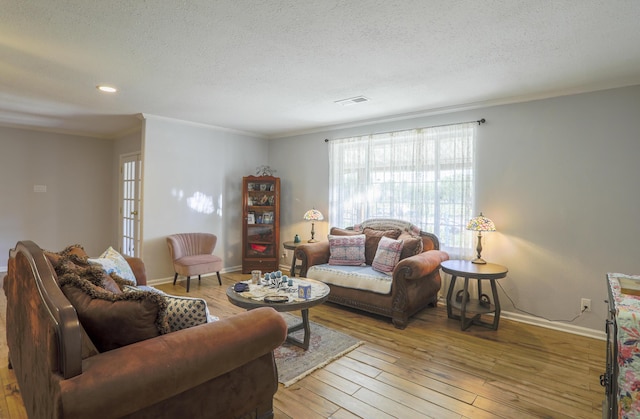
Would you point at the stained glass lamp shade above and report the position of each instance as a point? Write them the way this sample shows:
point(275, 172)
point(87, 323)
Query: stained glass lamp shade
point(313, 215)
point(480, 224)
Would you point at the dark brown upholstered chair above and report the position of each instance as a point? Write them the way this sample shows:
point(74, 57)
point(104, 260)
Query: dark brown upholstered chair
point(223, 369)
point(191, 254)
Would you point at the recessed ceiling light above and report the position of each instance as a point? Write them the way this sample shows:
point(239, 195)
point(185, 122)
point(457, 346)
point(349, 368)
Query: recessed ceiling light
point(352, 101)
point(106, 89)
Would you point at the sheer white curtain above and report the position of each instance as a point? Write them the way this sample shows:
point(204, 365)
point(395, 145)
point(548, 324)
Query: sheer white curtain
point(424, 176)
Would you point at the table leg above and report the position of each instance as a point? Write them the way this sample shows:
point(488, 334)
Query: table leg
point(304, 344)
point(463, 305)
point(292, 271)
point(496, 303)
point(452, 285)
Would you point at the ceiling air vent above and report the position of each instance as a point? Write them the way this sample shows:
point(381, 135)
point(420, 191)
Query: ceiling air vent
point(352, 101)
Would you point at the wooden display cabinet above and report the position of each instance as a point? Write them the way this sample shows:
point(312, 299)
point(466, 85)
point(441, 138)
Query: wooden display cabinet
point(260, 223)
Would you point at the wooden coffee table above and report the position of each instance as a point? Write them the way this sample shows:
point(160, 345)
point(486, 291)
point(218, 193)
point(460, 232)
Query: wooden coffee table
point(254, 299)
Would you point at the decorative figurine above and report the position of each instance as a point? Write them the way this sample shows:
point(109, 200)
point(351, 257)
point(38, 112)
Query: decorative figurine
point(264, 171)
point(296, 239)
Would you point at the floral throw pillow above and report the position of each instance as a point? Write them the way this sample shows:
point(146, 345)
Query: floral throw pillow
point(113, 262)
point(346, 250)
point(387, 255)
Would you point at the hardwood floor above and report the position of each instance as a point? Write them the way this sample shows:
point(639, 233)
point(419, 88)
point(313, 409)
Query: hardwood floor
point(430, 369)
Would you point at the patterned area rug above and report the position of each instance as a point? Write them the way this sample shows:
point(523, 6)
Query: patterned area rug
point(325, 345)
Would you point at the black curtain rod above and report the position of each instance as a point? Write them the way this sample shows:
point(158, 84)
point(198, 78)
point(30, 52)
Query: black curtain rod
point(479, 121)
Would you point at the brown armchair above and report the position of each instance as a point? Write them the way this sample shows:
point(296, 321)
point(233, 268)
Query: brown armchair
point(414, 284)
point(191, 254)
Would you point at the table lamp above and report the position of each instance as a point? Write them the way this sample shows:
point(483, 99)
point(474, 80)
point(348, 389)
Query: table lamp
point(313, 215)
point(480, 224)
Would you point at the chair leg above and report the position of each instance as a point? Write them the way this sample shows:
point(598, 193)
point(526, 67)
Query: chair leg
point(175, 277)
point(219, 280)
point(198, 278)
point(188, 282)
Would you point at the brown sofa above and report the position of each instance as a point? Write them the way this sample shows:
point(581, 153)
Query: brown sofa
point(220, 369)
point(415, 281)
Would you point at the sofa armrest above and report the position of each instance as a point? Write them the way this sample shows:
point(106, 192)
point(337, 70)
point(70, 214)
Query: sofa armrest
point(137, 266)
point(312, 254)
point(147, 372)
point(420, 265)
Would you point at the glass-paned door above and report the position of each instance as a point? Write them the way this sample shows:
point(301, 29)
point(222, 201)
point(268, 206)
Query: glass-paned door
point(130, 180)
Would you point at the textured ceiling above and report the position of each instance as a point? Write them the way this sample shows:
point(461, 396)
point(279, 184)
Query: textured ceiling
point(275, 67)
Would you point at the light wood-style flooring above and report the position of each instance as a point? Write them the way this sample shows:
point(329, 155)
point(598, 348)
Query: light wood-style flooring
point(430, 369)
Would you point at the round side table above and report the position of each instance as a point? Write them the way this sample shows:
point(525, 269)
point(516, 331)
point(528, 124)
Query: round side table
point(465, 304)
point(292, 246)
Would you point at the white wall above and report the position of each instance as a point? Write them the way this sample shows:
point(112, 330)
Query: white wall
point(181, 160)
point(557, 176)
point(77, 206)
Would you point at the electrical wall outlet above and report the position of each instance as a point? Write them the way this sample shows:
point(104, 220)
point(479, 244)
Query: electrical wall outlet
point(585, 304)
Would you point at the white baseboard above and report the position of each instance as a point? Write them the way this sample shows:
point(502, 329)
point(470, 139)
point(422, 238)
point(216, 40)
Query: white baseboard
point(537, 321)
point(562, 327)
point(158, 281)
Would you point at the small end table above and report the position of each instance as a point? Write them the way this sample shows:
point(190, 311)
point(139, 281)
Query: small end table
point(481, 305)
point(292, 246)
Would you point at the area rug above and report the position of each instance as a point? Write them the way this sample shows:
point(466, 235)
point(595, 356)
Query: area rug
point(325, 346)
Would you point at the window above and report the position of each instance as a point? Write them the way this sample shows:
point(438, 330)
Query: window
point(424, 176)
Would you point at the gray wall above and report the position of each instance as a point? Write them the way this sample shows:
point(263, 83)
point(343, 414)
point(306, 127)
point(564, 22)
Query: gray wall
point(557, 176)
point(181, 160)
point(78, 204)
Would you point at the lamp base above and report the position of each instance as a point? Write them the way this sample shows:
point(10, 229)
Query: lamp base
point(479, 261)
point(313, 234)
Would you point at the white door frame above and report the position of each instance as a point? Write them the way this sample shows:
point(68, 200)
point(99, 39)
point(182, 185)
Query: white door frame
point(129, 236)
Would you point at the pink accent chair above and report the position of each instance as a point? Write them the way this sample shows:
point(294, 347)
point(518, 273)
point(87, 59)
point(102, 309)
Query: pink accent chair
point(192, 255)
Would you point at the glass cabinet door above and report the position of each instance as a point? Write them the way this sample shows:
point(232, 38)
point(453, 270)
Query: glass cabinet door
point(261, 222)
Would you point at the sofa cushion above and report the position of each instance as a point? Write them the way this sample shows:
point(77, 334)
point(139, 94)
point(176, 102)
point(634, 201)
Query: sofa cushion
point(357, 277)
point(110, 284)
point(337, 231)
point(346, 250)
point(182, 312)
point(75, 250)
point(412, 245)
point(115, 320)
point(373, 238)
point(387, 255)
point(185, 312)
point(71, 263)
point(113, 262)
